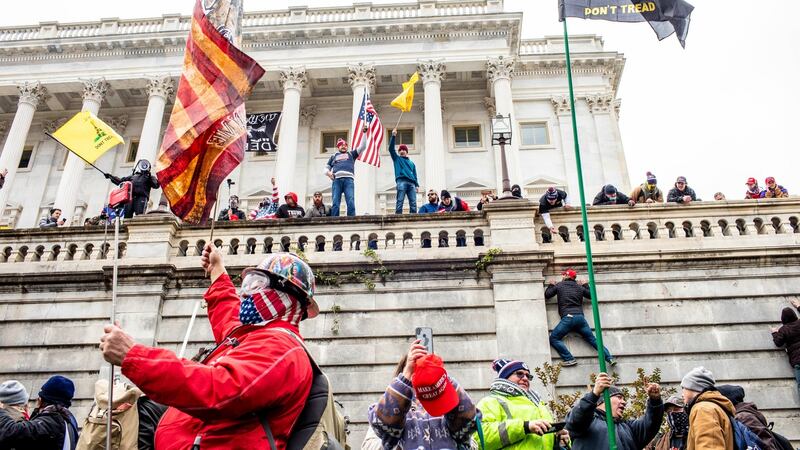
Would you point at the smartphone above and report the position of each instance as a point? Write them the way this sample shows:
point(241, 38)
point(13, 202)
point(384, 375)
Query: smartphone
point(425, 336)
point(556, 426)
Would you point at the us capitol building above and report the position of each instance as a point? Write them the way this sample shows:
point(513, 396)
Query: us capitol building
point(679, 286)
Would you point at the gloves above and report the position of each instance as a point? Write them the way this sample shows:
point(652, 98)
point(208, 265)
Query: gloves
point(107, 175)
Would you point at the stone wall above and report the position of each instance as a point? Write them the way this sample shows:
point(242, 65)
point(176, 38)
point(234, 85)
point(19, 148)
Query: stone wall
point(670, 301)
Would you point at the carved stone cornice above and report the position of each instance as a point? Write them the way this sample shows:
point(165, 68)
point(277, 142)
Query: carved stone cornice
point(293, 78)
point(489, 104)
point(600, 103)
point(95, 89)
point(54, 124)
point(561, 104)
point(160, 87)
point(307, 115)
point(118, 123)
point(361, 75)
point(32, 93)
point(500, 68)
point(432, 71)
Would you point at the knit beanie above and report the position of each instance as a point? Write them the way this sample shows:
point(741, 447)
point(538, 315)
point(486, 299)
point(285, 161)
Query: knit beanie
point(552, 194)
point(732, 392)
point(12, 392)
point(445, 194)
point(680, 179)
point(651, 178)
point(788, 316)
point(58, 390)
point(402, 147)
point(609, 189)
point(698, 379)
point(612, 391)
point(506, 367)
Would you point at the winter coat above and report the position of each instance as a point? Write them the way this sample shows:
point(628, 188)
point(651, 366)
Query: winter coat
point(48, 222)
point(142, 183)
point(456, 204)
point(290, 212)
point(640, 194)
point(227, 213)
point(418, 429)
point(318, 211)
point(676, 196)
point(778, 192)
point(710, 426)
point(343, 164)
point(663, 441)
point(150, 413)
point(789, 335)
point(748, 414)
point(587, 426)
point(600, 199)
point(428, 208)
point(253, 369)
point(404, 168)
point(545, 206)
point(501, 430)
point(570, 296)
point(44, 431)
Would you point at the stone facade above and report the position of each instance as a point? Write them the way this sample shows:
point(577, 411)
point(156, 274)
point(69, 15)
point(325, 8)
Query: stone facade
point(470, 55)
point(678, 287)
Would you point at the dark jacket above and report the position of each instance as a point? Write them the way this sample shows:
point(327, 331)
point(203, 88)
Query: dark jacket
point(748, 414)
point(456, 204)
point(290, 212)
point(545, 206)
point(141, 182)
point(226, 214)
point(428, 208)
point(570, 296)
point(601, 199)
point(789, 336)
point(44, 431)
point(587, 426)
point(404, 168)
point(150, 413)
point(676, 196)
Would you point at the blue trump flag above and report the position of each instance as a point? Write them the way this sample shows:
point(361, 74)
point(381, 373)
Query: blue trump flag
point(664, 16)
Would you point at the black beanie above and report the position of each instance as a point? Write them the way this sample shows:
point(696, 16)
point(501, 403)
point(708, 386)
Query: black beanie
point(788, 316)
point(732, 392)
point(58, 390)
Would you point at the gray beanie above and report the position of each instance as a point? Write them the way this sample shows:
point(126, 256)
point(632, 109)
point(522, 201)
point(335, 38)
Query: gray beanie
point(12, 392)
point(698, 379)
point(612, 391)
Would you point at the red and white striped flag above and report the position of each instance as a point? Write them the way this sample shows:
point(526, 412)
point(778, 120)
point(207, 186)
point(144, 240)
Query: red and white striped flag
point(374, 134)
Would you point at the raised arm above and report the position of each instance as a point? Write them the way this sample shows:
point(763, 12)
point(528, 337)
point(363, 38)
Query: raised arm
point(392, 151)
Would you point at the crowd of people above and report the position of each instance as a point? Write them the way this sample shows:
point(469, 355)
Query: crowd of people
point(256, 383)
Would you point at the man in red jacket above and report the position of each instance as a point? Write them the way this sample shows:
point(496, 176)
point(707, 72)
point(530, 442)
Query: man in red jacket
point(258, 366)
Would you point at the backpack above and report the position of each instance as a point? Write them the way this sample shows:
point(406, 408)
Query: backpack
point(783, 443)
point(320, 425)
point(744, 438)
point(124, 419)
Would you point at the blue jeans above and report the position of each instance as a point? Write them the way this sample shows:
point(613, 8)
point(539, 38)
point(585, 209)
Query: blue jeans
point(347, 187)
point(797, 376)
point(578, 324)
point(406, 188)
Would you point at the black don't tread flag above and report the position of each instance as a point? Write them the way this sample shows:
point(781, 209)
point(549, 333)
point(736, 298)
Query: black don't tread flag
point(664, 16)
point(261, 128)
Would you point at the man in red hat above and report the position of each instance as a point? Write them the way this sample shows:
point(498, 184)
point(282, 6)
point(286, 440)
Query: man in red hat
point(341, 169)
point(570, 296)
point(423, 407)
point(753, 190)
point(290, 209)
point(773, 189)
point(405, 175)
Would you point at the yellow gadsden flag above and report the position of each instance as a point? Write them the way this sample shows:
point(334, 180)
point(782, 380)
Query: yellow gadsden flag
point(403, 101)
point(87, 136)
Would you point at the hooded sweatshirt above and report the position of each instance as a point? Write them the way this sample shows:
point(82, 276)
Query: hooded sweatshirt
point(285, 211)
point(710, 426)
point(404, 168)
point(789, 335)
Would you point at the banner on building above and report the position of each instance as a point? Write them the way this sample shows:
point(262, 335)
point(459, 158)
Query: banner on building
point(261, 129)
point(664, 16)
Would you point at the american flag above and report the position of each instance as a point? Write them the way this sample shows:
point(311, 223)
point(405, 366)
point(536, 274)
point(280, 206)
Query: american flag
point(374, 135)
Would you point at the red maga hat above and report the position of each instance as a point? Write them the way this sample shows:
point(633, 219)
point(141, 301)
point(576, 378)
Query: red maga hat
point(432, 386)
point(570, 273)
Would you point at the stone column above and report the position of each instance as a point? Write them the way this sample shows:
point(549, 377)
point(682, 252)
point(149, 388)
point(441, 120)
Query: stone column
point(613, 159)
point(159, 89)
point(30, 95)
point(69, 186)
point(307, 116)
point(362, 78)
point(432, 73)
point(562, 110)
point(292, 81)
point(499, 71)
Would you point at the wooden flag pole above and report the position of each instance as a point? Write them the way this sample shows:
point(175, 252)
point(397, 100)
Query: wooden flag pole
point(398, 120)
point(598, 329)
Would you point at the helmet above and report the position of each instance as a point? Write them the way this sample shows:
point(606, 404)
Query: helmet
point(291, 274)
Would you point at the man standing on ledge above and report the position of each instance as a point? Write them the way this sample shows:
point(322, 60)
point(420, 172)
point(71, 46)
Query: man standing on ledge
point(341, 169)
point(258, 372)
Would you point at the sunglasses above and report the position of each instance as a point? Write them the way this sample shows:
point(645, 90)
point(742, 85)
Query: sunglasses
point(523, 374)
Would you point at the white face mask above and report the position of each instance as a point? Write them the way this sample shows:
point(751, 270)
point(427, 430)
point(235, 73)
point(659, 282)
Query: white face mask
point(252, 283)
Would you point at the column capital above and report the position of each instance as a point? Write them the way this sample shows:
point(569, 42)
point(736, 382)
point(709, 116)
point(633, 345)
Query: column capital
point(118, 123)
point(293, 78)
point(432, 71)
point(361, 75)
point(500, 68)
point(32, 93)
point(54, 124)
point(617, 105)
point(561, 104)
point(95, 89)
point(307, 115)
point(160, 87)
point(491, 108)
point(600, 103)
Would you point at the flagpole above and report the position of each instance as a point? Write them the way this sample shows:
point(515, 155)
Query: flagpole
point(398, 120)
point(79, 156)
point(598, 330)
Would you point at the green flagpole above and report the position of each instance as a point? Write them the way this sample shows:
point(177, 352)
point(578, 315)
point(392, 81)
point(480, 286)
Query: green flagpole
point(598, 330)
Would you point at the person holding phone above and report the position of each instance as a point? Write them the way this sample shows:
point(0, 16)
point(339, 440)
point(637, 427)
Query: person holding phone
point(423, 407)
point(514, 416)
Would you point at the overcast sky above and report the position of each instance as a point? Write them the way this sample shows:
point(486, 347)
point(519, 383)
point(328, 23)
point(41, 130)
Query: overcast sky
point(718, 112)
